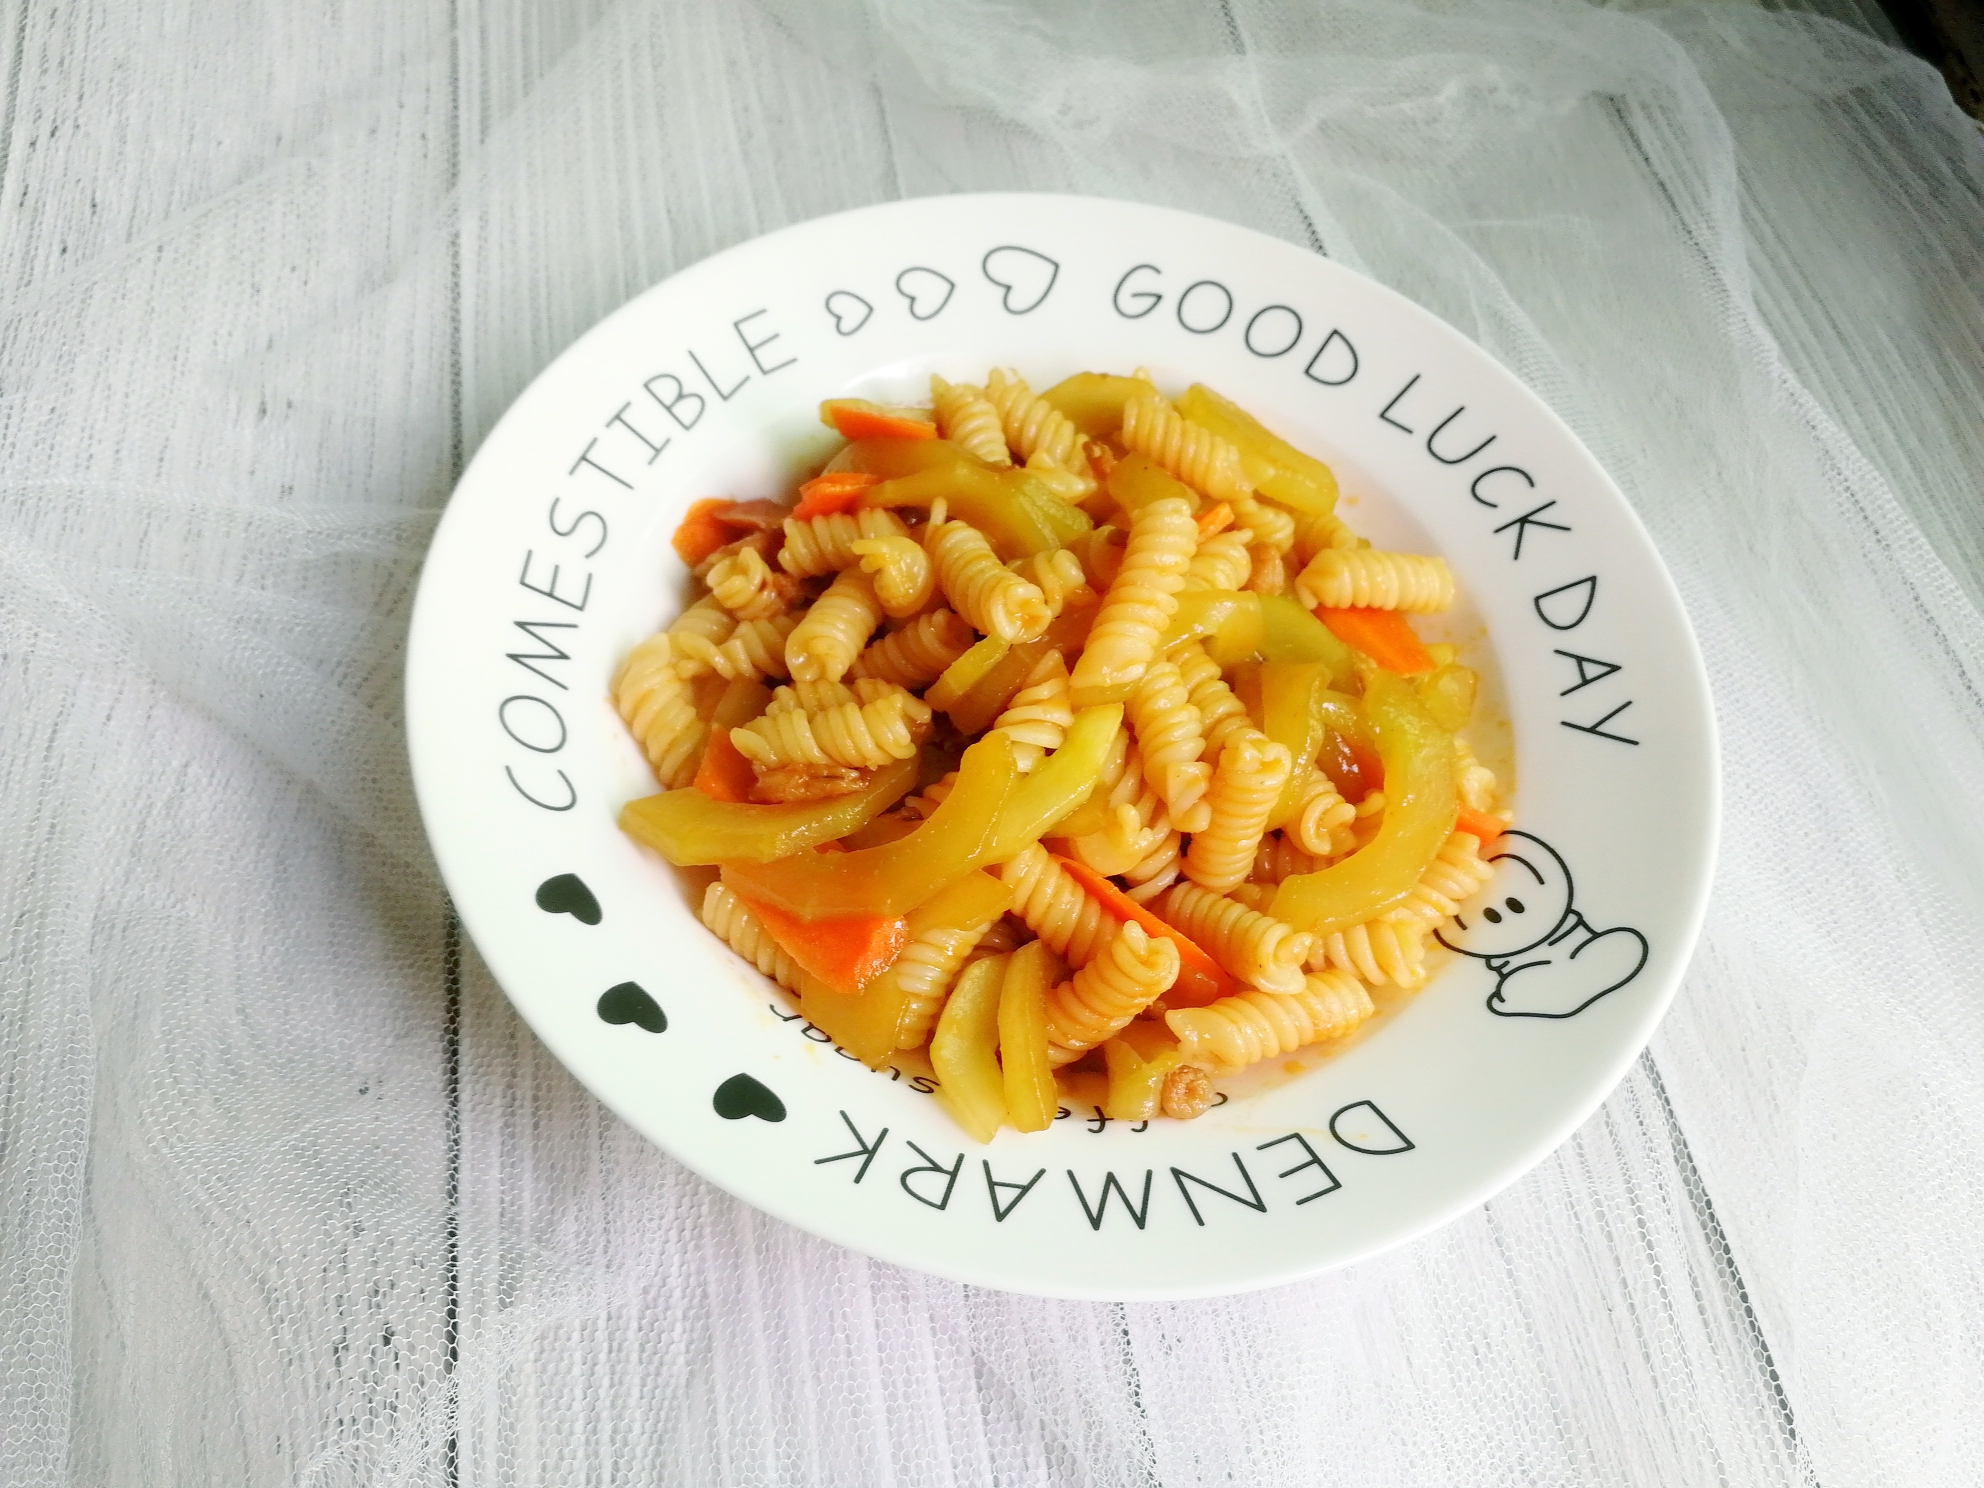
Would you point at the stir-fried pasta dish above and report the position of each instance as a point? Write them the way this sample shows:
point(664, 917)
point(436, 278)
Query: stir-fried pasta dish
point(1059, 734)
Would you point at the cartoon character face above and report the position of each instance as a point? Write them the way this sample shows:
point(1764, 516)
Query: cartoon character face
point(1524, 903)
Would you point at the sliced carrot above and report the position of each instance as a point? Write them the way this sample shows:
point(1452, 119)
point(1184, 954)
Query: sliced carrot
point(1385, 636)
point(1215, 520)
point(702, 532)
point(725, 774)
point(835, 491)
point(857, 418)
point(1480, 824)
point(1200, 978)
point(845, 953)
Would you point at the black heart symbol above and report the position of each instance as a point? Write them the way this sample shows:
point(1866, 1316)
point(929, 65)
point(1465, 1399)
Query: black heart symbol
point(1024, 272)
point(568, 894)
point(630, 1003)
point(847, 319)
point(741, 1096)
point(926, 290)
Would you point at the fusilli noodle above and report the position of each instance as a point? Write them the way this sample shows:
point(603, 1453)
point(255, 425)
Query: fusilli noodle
point(904, 582)
point(1369, 579)
point(919, 652)
point(733, 922)
point(1059, 578)
point(825, 544)
point(1141, 600)
point(1251, 772)
point(1257, 948)
point(859, 735)
point(1131, 970)
point(981, 588)
point(924, 973)
point(1197, 456)
point(1039, 716)
point(1238, 1031)
point(1220, 710)
point(1055, 907)
point(1222, 562)
point(833, 632)
point(745, 585)
point(696, 632)
point(1171, 736)
point(656, 705)
point(1032, 425)
point(755, 649)
point(967, 418)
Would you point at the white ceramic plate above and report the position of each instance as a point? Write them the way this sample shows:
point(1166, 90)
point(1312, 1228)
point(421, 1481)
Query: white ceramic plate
point(553, 560)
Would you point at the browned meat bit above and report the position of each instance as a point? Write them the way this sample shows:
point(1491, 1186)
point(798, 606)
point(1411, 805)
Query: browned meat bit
point(759, 515)
point(1187, 1093)
point(783, 783)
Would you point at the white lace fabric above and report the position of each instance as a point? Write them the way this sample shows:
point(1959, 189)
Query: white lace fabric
point(289, 1195)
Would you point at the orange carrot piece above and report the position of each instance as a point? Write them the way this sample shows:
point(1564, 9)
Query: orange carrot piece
point(857, 418)
point(701, 532)
point(1385, 636)
point(1215, 520)
point(845, 953)
point(725, 774)
point(1480, 824)
point(1200, 978)
point(836, 491)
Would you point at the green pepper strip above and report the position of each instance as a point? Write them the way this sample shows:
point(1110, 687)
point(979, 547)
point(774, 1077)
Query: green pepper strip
point(1311, 485)
point(1017, 514)
point(1059, 784)
point(1420, 807)
point(897, 876)
point(1290, 692)
point(689, 828)
point(1201, 612)
point(1291, 633)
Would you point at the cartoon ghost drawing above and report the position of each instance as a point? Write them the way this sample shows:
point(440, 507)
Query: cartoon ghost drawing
point(1548, 961)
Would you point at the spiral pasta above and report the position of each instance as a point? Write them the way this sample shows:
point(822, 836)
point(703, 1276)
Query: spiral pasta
point(1141, 600)
point(834, 631)
point(1251, 772)
point(1032, 425)
point(1220, 710)
point(1059, 578)
point(1315, 531)
point(1380, 951)
point(923, 974)
point(904, 582)
point(1368, 578)
point(1130, 971)
point(981, 588)
point(1279, 857)
point(1255, 947)
point(1321, 819)
point(1136, 823)
point(1055, 907)
point(1066, 484)
point(755, 649)
point(1456, 874)
point(1238, 1031)
point(745, 585)
point(1201, 459)
point(1039, 716)
point(696, 633)
point(825, 544)
point(1222, 562)
point(655, 703)
point(858, 735)
point(733, 922)
point(1269, 524)
point(1171, 736)
point(919, 652)
point(967, 418)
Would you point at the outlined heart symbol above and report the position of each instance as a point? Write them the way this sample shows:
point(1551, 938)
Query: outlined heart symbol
point(1026, 277)
point(849, 310)
point(568, 894)
point(927, 291)
point(742, 1096)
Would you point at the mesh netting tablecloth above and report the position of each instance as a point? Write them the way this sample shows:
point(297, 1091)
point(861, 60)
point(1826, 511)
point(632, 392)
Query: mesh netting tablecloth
point(287, 1192)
